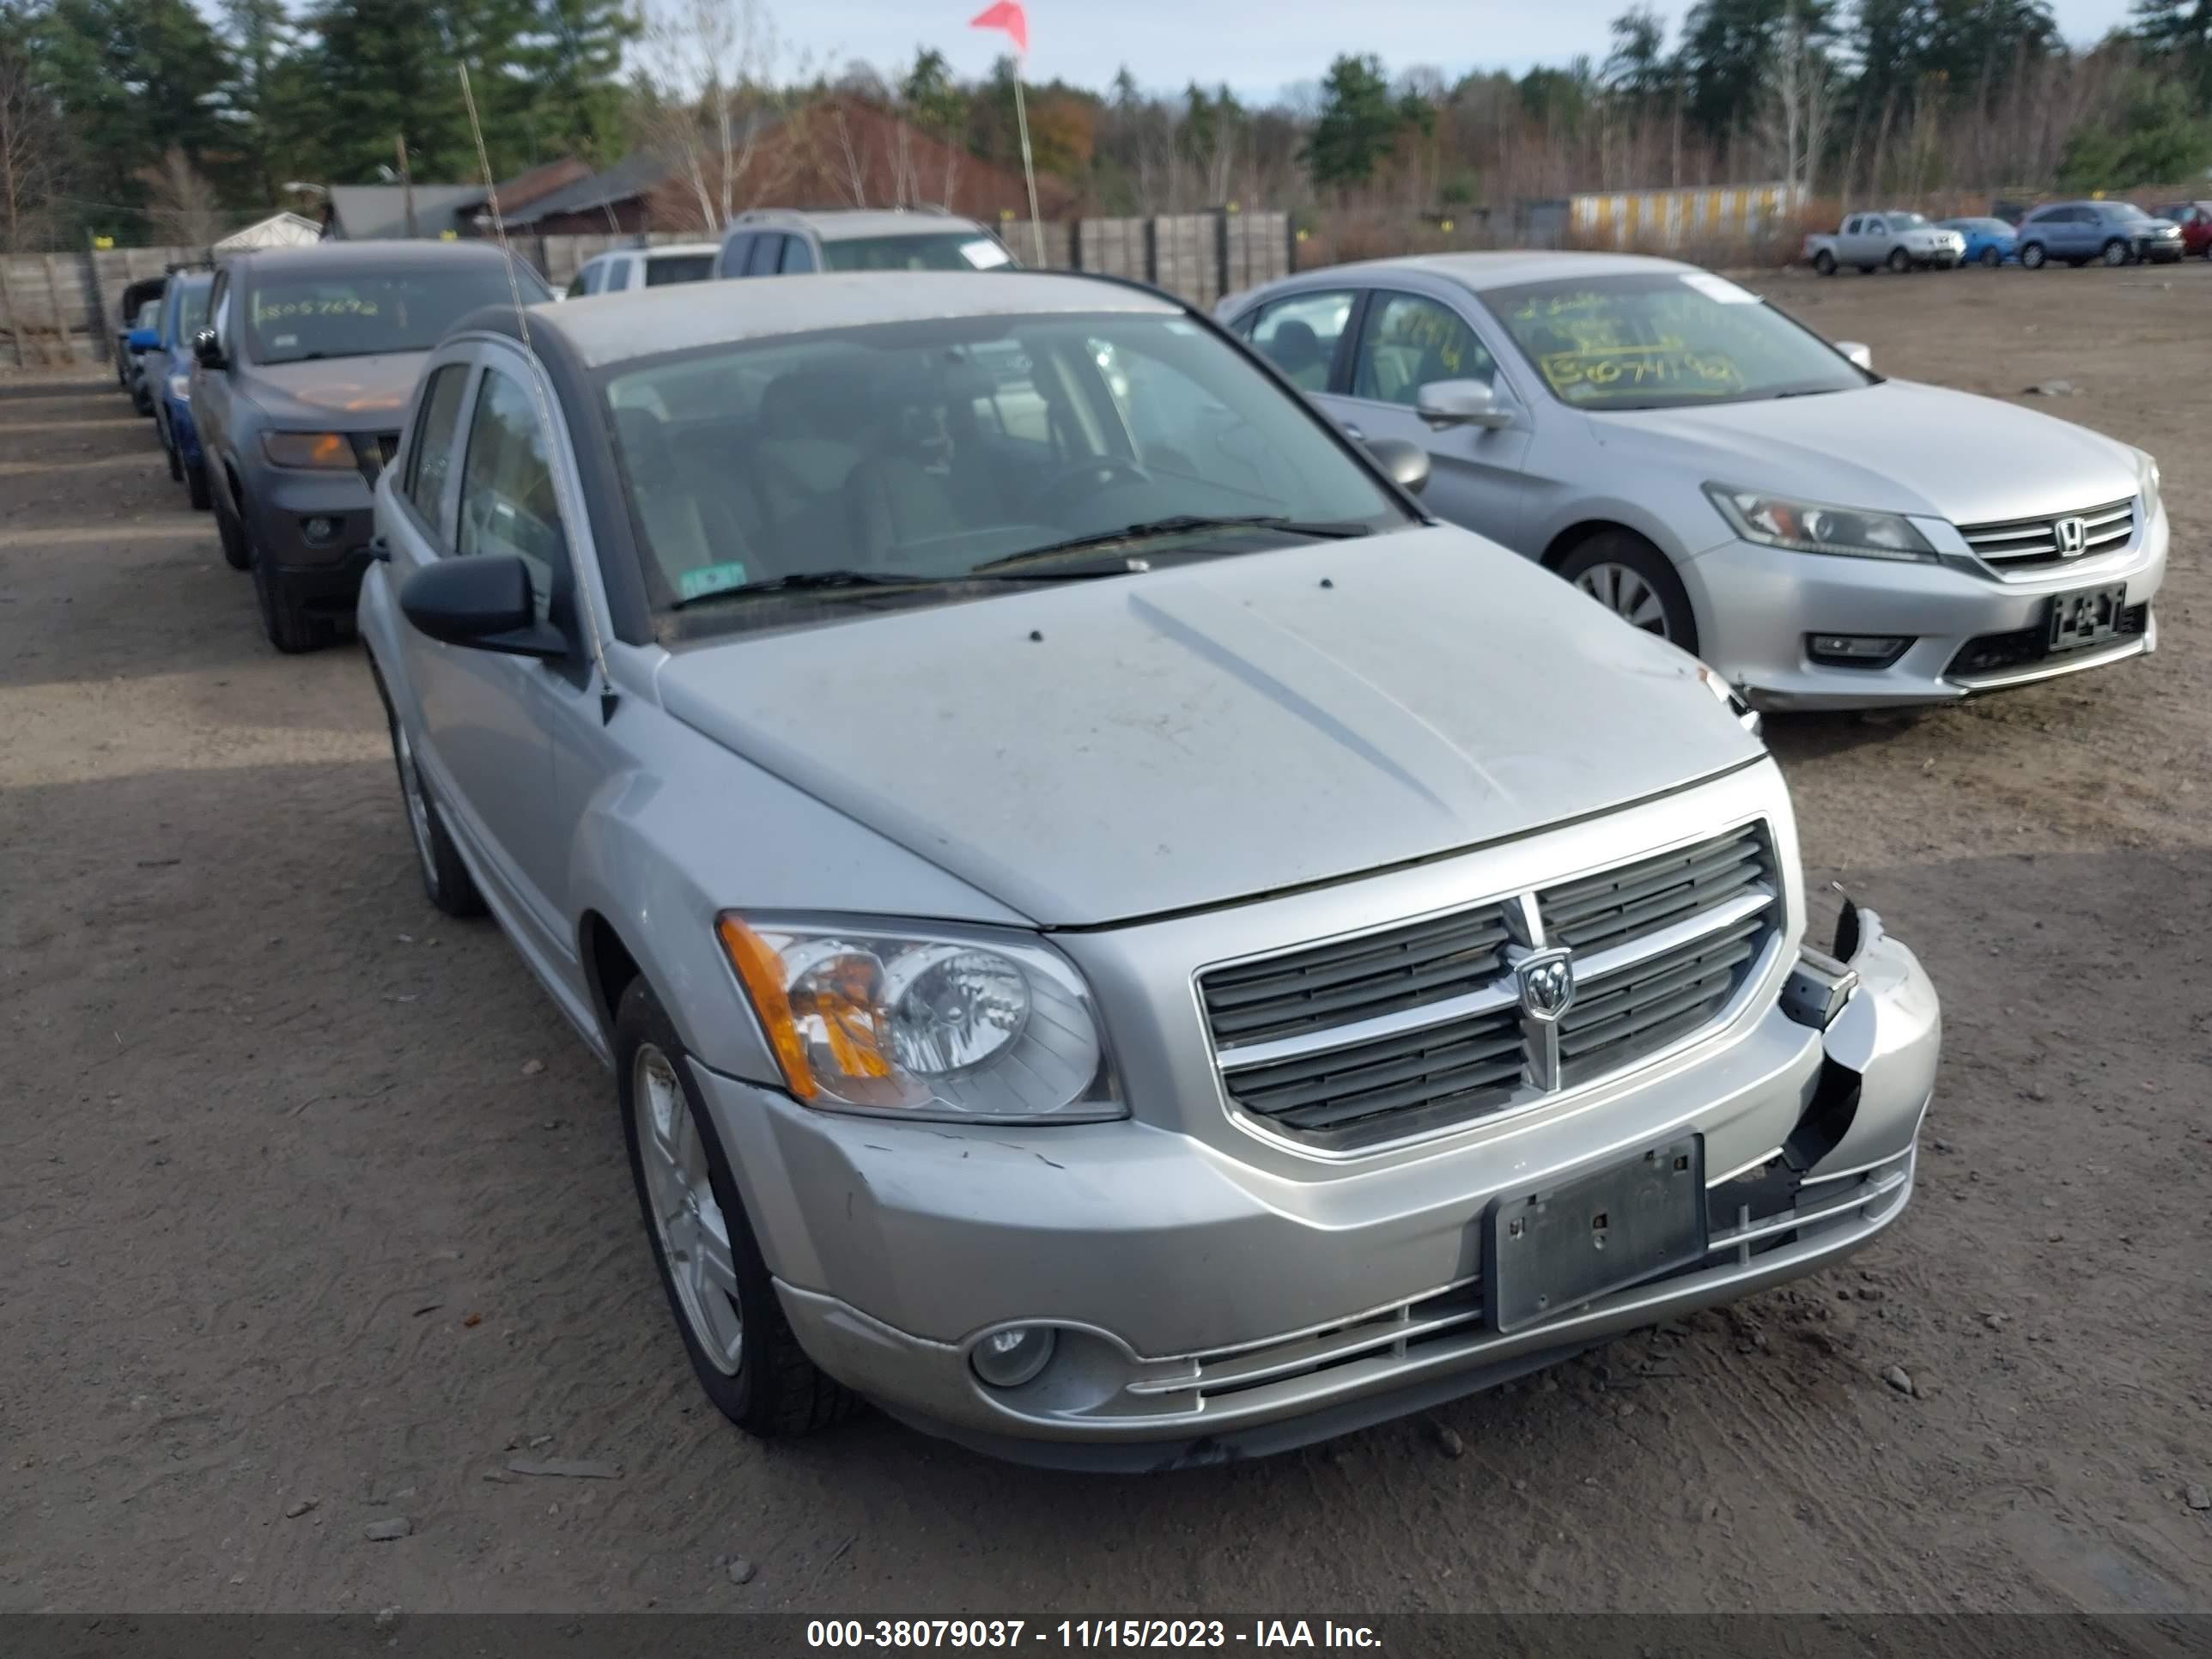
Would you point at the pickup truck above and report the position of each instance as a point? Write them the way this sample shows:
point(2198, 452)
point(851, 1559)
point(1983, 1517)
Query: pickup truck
point(1899, 241)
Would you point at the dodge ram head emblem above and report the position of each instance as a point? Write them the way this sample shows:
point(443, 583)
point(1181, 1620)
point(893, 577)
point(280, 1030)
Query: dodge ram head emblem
point(2072, 535)
point(1546, 979)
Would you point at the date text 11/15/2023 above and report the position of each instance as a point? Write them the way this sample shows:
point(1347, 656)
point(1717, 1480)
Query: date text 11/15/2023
point(1082, 1633)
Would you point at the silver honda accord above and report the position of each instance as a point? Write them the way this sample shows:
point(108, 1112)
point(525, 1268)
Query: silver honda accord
point(1694, 459)
point(1118, 939)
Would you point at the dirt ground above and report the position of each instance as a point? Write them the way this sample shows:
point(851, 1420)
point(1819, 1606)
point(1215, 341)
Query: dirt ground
point(308, 1197)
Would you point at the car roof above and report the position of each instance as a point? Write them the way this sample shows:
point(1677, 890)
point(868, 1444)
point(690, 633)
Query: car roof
point(606, 329)
point(1486, 271)
point(362, 256)
point(844, 224)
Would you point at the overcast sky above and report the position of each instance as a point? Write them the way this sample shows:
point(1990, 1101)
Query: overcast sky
point(1257, 46)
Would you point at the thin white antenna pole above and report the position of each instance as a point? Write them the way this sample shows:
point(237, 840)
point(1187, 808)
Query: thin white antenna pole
point(571, 511)
point(1028, 166)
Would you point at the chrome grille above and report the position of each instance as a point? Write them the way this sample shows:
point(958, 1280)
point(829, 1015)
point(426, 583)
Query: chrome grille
point(2027, 543)
point(1421, 1025)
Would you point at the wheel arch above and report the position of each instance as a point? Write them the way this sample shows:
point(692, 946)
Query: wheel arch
point(610, 968)
point(1557, 550)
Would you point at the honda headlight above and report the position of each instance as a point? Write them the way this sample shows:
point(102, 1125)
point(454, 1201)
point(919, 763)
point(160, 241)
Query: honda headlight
point(927, 1024)
point(1816, 528)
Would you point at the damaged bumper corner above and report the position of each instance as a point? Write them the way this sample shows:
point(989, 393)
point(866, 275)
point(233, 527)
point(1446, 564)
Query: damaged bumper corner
point(1881, 1029)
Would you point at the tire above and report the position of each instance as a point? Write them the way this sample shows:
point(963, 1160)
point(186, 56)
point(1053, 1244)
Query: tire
point(289, 628)
point(235, 552)
point(195, 491)
point(1634, 580)
point(755, 1373)
point(1991, 258)
point(446, 880)
point(141, 399)
point(2032, 256)
point(1825, 263)
point(1899, 261)
point(2115, 252)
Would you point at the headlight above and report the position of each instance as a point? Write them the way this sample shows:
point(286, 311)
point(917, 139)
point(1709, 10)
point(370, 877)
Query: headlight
point(180, 387)
point(923, 1024)
point(2146, 474)
point(1814, 527)
point(320, 450)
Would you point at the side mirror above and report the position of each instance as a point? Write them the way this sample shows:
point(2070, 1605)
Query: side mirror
point(144, 339)
point(207, 349)
point(482, 602)
point(1407, 463)
point(1460, 403)
point(1861, 354)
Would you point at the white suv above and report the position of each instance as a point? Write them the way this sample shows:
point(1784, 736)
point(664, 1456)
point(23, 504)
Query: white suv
point(777, 241)
point(644, 267)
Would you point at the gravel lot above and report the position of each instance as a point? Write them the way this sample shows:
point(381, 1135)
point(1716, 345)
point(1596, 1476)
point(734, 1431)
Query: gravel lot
point(315, 1214)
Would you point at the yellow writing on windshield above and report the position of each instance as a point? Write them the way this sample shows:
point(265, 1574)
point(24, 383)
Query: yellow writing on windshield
point(1600, 370)
point(277, 310)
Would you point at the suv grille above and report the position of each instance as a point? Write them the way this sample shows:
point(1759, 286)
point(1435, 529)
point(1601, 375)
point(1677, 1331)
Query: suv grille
point(1420, 1026)
point(2030, 544)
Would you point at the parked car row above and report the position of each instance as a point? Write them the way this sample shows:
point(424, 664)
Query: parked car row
point(2076, 233)
point(1135, 918)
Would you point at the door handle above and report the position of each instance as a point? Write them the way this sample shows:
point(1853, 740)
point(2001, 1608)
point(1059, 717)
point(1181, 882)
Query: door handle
point(1354, 433)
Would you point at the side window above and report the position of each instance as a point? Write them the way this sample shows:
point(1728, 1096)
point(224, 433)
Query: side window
point(1409, 343)
point(735, 252)
point(1852, 226)
point(767, 248)
point(430, 446)
point(798, 254)
point(1876, 227)
point(581, 284)
point(1299, 335)
point(507, 503)
point(623, 274)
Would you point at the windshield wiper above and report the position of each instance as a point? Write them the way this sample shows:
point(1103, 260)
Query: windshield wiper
point(1332, 531)
point(803, 580)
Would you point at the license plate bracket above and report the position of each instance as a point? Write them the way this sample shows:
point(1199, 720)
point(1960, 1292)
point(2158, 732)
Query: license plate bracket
point(2089, 615)
point(1551, 1249)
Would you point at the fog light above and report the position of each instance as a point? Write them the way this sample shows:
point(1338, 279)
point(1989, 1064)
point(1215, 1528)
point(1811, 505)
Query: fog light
point(318, 530)
point(1856, 650)
point(1008, 1358)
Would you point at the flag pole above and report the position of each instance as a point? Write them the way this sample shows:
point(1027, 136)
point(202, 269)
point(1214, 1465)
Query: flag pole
point(1028, 166)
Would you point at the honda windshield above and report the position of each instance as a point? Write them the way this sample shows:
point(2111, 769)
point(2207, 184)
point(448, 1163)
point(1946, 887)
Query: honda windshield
point(1665, 339)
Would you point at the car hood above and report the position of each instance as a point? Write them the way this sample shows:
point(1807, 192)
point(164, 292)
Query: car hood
point(1898, 447)
point(351, 394)
point(1099, 750)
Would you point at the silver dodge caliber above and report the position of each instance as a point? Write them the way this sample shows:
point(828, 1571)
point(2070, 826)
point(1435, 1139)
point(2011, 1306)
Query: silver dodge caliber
point(1119, 940)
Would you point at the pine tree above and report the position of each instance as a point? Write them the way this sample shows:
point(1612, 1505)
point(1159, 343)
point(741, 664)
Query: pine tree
point(572, 59)
point(2181, 31)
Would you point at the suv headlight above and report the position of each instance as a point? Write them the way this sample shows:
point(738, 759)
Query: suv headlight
point(950, 1024)
point(1815, 527)
point(315, 451)
point(2147, 475)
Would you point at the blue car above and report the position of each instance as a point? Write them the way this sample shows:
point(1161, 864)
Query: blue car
point(168, 374)
point(1990, 242)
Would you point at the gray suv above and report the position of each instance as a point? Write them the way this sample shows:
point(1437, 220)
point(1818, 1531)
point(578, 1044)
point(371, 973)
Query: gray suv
point(309, 356)
point(1117, 937)
point(2116, 232)
point(774, 241)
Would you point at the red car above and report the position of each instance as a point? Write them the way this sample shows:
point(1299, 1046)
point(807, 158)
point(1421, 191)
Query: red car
point(2195, 218)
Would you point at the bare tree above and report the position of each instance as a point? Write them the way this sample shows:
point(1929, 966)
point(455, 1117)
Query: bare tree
point(34, 157)
point(712, 68)
point(1795, 116)
point(180, 203)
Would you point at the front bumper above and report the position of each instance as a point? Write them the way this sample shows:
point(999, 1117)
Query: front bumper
point(1207, 1310)
point(1758, 606)
point(279, 502)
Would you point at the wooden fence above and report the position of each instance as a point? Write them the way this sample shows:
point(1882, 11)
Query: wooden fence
point(60, 308)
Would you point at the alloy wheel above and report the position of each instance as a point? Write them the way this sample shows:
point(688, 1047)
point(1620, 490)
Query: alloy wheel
point(694, 1238)
point(1627, 595)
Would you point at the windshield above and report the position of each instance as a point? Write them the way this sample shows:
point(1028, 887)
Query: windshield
point(678, 268)
point(1907, 222)
point(1663, 340)
point(916, 454)
point(951, 250)
point(149, 314)
point(191, 309)
point(2123, 210)
point(359, 313)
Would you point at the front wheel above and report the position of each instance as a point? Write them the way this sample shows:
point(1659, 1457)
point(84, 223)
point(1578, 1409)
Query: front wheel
point(2032, 256)
point(1899, 261)
point(741, 1346)
point(1634, 580)
point(1991, 258)
point(2115, 252)
point(1825, 263)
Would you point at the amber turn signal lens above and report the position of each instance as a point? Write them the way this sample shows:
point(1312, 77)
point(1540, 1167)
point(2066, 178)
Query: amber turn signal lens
point(759, 970)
